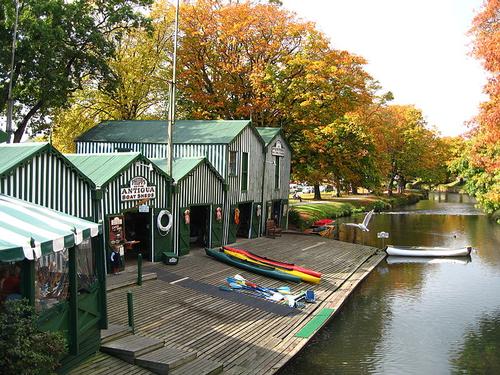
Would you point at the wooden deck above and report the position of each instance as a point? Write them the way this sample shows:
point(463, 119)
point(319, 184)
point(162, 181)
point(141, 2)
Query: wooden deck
point(184, 307)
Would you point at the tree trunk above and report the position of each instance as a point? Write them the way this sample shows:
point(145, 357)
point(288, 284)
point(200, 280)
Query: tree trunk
point(389, 186)
point(18, 134)
point(337, 187)
point(317, 193)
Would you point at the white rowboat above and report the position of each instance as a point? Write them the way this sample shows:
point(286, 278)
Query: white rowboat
point(420, 251)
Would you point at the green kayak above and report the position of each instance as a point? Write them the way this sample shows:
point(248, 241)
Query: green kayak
point(252, 267)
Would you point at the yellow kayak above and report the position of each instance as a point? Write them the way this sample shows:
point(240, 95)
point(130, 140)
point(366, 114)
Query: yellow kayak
point(303, 276)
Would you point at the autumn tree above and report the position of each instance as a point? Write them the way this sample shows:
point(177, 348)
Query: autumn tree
point(483, 165)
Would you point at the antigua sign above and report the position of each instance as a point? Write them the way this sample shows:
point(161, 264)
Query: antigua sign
point(137, 189)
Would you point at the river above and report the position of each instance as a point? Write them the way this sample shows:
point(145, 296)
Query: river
point(441, 317)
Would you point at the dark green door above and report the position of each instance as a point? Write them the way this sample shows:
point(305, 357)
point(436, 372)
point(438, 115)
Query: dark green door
point(217, 225)
point(233, 227)
point(162, 240)
point(184, 231)
point(256, 219)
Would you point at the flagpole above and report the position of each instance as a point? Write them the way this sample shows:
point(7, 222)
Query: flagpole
point(171, 107)
point(10, 104)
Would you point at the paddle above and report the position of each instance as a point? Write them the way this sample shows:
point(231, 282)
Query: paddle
point(281, 289)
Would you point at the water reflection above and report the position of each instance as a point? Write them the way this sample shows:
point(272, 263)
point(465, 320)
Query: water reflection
point(418, 316)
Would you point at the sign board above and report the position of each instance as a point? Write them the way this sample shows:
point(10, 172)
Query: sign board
point(138, 189)
point(382, 235)
point(278, 149)
point(116, 230)
point(144, 208)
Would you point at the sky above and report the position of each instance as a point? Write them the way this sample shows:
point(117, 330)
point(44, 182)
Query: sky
point(417, 49)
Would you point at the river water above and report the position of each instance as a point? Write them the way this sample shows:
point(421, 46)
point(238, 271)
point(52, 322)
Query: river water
point(437, 317)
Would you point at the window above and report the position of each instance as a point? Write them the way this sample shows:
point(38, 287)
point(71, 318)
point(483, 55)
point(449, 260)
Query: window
point(233, 159)
point(85, 266)
point(244, 171)
point(276, 172)
point(51, 284)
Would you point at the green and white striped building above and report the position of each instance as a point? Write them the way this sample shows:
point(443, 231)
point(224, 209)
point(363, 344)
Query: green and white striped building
point(197, 204)
point(132, 190)
point(235, 149)
point(38, 173)
point(59, 260)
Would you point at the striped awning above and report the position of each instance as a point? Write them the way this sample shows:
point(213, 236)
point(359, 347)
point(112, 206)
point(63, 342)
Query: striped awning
point(29, 231)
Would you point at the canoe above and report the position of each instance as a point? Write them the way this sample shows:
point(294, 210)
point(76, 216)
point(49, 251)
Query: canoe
point(420, 251)
point(427, 260)
point(252, 267)
point(273, 262)
point(302, 275)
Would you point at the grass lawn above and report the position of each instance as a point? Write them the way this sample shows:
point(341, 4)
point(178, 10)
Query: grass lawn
point(303, 214)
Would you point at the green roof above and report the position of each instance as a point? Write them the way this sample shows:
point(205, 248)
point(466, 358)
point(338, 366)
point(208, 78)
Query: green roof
point(268, 134)
point(183, 166)
point(3, 136)
point(155, 131)
point(13, 154)
point(28, 231)
point(102, 168)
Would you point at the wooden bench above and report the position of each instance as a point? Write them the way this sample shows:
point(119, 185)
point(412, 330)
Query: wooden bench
point(271, 229)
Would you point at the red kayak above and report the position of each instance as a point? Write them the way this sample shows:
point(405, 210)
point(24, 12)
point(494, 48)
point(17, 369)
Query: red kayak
point(272, 262)
point(323, 222)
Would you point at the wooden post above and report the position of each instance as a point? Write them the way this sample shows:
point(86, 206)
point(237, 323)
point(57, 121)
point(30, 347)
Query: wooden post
point(28, 280)
point(73, 303)
point(139, 269)
point(100, 260)
point(130, 308)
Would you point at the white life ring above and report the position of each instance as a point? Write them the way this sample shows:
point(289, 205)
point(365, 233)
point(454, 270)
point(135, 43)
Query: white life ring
point(160, 226)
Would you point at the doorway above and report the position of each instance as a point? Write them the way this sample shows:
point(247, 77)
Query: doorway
point(276, 212)
point(199, 230)
point(137, 235)
point(245, 219)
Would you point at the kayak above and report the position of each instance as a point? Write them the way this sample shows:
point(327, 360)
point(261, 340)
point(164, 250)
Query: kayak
point(303, 276)
point(273, 262)
point(252, 267)
point(419, 251)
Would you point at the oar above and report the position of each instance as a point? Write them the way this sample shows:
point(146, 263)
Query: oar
point(281, 289)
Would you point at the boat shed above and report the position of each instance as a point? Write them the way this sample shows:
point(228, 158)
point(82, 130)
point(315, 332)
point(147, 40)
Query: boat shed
point(55, 261)
point(276, 182)
point(197, 204)
point(134, 199)
point(233, 147)
point(38, 173)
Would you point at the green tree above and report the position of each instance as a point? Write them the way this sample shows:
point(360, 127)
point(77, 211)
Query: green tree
point(59, 45)
point(24, 349)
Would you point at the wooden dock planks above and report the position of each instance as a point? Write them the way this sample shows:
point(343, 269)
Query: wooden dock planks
point(246, 339)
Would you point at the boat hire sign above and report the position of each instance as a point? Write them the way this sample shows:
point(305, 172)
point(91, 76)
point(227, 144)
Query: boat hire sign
point(138, 189)
point(278, 149)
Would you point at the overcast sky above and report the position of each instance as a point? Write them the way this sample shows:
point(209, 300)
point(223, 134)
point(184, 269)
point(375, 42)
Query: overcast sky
point(418, 49)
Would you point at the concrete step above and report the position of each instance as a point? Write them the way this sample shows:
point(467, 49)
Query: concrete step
point(129, 348)
point(165, 359)
point(199, 366)
point(114, 332)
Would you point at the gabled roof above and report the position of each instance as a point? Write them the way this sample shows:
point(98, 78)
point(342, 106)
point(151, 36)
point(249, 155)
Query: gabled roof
point(269, 134)
point(28, 230)
point(14, 154)
point(183, 166)
point(102, 168)
point(3, 136)
point(155, 131)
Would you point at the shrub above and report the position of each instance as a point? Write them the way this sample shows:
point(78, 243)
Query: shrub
point(24, 349)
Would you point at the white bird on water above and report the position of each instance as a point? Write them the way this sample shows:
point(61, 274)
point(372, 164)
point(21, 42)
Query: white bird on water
point(364, 225)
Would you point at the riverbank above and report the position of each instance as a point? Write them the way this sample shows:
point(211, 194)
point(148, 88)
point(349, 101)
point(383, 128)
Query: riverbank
point(303, 214)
